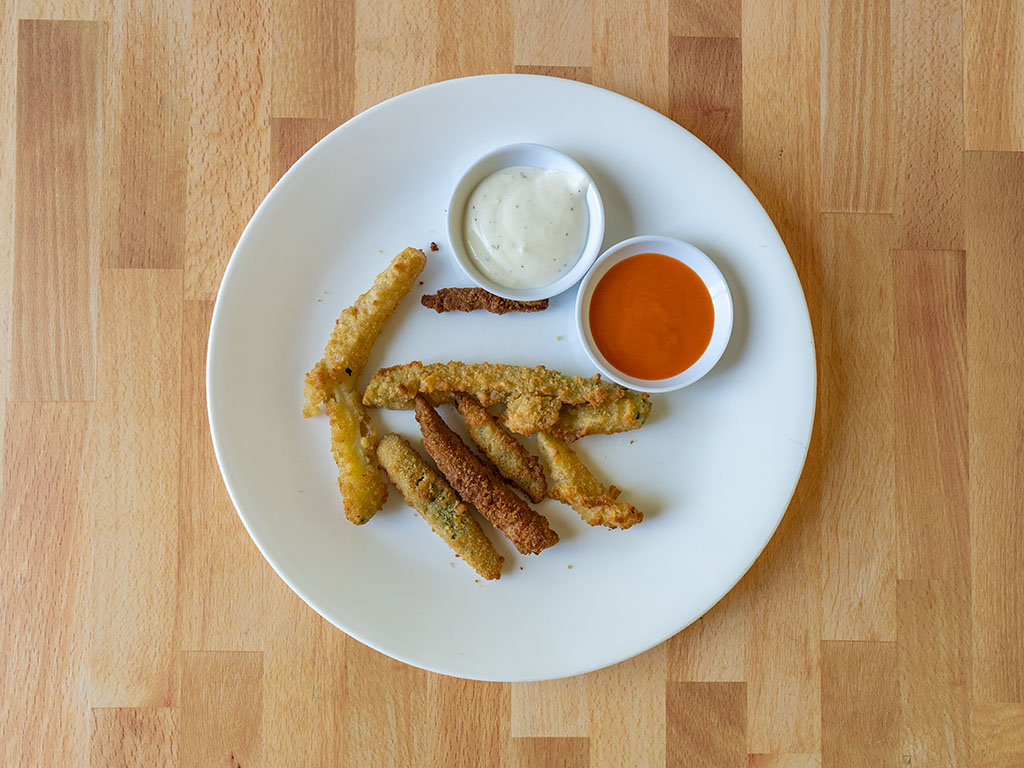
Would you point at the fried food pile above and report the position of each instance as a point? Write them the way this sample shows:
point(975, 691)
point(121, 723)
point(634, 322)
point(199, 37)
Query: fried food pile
point(559, 409)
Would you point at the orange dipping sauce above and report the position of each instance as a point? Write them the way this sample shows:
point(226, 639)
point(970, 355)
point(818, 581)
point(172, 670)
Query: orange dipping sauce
point(651, 316)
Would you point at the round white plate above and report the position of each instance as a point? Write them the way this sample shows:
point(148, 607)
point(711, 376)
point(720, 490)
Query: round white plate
point(713, 470)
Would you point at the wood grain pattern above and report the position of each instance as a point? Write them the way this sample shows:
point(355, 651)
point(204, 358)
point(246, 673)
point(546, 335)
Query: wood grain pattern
point(221, 575)
point(998, 735)
point(43, 585)
point(931, 416)
point(312, 58)
point(56, 224)
point(228, 152)
point(221, 709)
point(395, 42)
point(384, 696)
point(553, 34)
point(706, 725)
point(290, 138)
point(859, 709)
point(934, 672)
point(488, 49)
point(304, 683)
point(550, 753)
point(8, 145)
point(145, 143)
point(134, 737)
point(133, 505)
point(550, 708)
point(705, 93)
point(928, 85)
point(884, 623)
point(470, 742)
point(856, 116)
point(781, 113)
point(62, 10)
point(579, 74)
point(627, 712)
point(713, 648)
point(995, 316)
point(619, 64)
point(704, 18)
point(783, 668)
point(783, 761)
point(994, 75)
point(858, 544)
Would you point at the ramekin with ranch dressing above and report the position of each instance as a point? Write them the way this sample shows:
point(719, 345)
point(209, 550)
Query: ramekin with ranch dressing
point(525, 222)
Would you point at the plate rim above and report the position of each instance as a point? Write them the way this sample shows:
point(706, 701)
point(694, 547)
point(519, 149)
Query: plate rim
point(212, 345)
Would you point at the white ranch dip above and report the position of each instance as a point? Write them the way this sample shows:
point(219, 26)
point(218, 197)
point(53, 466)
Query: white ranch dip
point(526, 227)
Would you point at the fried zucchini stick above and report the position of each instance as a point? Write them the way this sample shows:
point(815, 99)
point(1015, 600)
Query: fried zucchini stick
point(627, 413)
point(331, 384)
point(472, 299)
point(475, 482)
point(430, 495)
point(575, 485)
point(511, 459)
point(534, 395)
point(354, 445)
point(358, 327)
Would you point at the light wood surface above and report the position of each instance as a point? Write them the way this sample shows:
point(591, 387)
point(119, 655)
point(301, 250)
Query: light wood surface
point(882, 626)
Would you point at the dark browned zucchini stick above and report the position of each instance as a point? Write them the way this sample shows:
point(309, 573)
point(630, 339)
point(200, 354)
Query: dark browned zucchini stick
point(477, 483)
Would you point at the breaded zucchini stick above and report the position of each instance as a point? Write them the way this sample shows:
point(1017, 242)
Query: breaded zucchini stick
point(354, 446)
point(358, 327)
point(331, 384)
point(472, 299)
point(475, 482)
point(511, 459)
point(575, 485)
point(627, 413)
point(430, 495)
point(534, 395)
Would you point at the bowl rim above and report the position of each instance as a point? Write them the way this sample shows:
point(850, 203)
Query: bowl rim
point(455, 216)
point(691, 256)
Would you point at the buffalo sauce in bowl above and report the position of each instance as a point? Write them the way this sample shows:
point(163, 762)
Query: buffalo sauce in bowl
point(654, 314)
point(651, 316)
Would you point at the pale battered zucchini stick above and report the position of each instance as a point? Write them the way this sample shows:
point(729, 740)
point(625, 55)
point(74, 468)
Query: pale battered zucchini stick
point(534, 395)
point(354, 446)
point(477, 483)
point(511, 459)
point(331, 384)
point(627, 413)
point(575, 485)
point(430, 495)
point(358, 328)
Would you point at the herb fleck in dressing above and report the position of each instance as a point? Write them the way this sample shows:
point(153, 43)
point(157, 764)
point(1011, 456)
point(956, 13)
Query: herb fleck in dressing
point(526, 227)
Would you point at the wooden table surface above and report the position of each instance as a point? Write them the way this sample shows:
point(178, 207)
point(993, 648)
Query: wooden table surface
point(883, 625)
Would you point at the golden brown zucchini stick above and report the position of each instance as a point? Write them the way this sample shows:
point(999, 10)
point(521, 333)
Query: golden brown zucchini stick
point(354, 446)
point(627, 413)
point(534, 395)
point(575, 485)
point(358, 327)
point(512, 460)
point(430, 495)
point(475, 482)
point(331, 384)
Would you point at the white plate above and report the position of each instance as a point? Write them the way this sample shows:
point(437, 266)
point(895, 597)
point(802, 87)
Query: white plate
point(713, 470)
